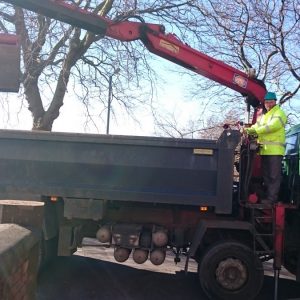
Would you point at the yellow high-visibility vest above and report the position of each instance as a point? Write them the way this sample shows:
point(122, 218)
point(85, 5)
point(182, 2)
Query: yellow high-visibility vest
point(271, 132)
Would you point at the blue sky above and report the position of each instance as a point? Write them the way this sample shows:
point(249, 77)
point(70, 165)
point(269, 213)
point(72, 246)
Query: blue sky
point(171, 98)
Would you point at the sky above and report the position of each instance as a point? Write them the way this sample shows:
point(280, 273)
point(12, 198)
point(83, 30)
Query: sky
point(170, 99)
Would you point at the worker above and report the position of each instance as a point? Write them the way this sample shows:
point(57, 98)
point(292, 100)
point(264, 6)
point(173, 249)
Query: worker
point(270, 132)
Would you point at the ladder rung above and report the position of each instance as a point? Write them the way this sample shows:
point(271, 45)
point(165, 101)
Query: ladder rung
point(263, 234)
point(265, 252)
point(262, 206)
point(263, 218)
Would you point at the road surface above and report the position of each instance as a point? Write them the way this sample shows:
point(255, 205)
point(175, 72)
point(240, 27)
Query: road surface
point(92, 274)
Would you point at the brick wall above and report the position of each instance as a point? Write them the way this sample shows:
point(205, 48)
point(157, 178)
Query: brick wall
point(19, 252)
point(22, 212)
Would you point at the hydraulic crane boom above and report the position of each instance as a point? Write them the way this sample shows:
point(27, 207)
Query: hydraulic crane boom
point(155, 40)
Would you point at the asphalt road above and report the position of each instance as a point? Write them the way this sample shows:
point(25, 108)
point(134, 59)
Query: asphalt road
point(92, 274)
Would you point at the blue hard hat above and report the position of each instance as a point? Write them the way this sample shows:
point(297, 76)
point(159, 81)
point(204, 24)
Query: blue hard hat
point(270, 96)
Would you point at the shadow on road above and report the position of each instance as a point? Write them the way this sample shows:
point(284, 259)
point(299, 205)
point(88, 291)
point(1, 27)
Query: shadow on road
point(86, 278)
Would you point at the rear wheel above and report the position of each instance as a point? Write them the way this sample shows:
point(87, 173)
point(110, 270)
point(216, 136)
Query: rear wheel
point(230, 270)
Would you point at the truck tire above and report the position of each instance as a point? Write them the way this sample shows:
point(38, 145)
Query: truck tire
point(230, 270)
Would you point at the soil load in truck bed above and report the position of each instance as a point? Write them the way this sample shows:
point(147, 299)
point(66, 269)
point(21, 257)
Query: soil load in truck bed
point(123, 168)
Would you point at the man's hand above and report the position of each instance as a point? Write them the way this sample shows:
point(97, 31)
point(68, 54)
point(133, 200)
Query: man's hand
point(250, 131)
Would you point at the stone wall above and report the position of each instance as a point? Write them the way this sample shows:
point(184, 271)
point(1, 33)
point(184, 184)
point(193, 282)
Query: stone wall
point(19, 252)
point(22, 212)
point(19, 248)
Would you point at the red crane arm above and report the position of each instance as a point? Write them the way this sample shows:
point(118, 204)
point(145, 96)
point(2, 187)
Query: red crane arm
point(155, 39)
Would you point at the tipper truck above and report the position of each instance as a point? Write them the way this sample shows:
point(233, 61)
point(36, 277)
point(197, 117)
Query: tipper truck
point(145, 196)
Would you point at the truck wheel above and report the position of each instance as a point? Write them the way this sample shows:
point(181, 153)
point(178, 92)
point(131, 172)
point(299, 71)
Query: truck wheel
point(230, 270)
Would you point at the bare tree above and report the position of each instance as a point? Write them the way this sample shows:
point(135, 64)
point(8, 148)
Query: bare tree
point(248, 34)
point(259, 34)
point(58, 58)
point(215, 124)
point(167, 124)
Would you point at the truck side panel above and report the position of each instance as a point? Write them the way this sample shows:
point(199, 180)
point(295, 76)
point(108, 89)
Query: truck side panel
point(126, 168)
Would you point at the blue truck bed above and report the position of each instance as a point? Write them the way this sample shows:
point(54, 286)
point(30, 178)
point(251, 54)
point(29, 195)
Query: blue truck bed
point(124, 168)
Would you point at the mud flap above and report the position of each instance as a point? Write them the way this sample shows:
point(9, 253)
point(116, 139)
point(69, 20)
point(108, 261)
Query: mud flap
point(69, 239)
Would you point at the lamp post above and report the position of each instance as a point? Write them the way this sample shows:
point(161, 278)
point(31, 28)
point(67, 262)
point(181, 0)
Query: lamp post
point(116, 71)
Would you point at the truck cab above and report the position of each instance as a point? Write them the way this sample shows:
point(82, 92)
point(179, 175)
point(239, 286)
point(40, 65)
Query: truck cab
point(290, 191)
point(291, 171)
